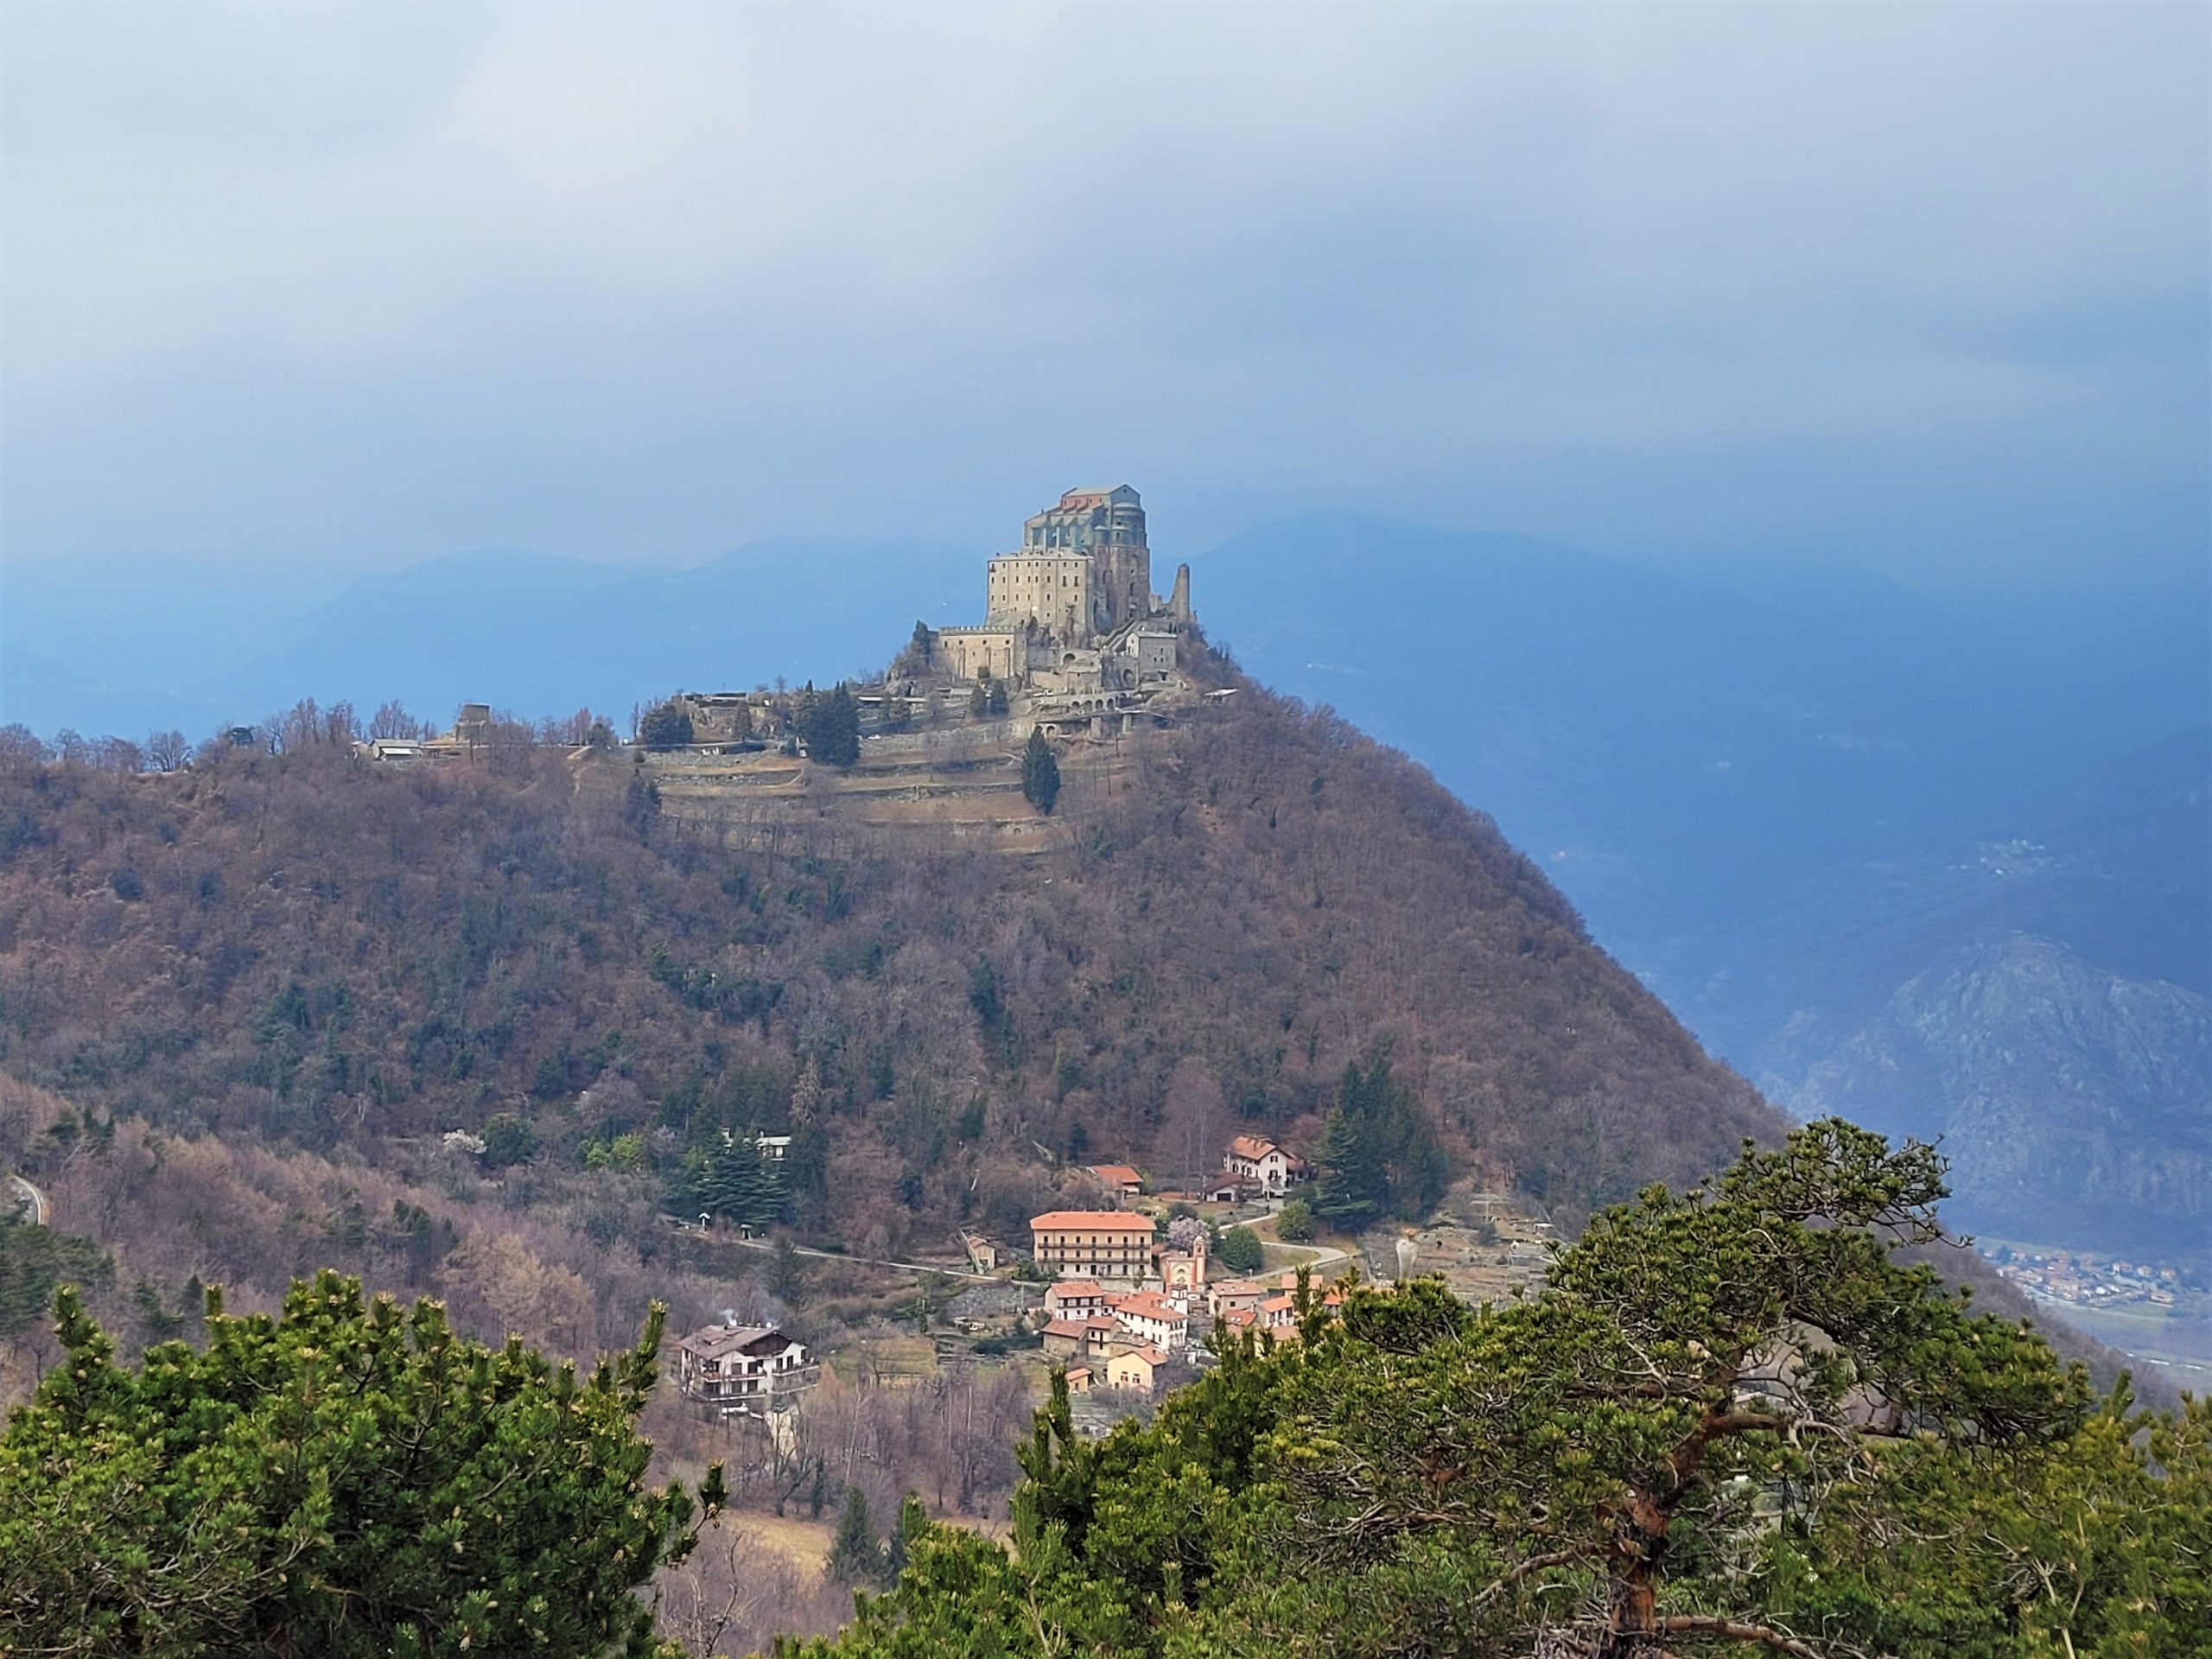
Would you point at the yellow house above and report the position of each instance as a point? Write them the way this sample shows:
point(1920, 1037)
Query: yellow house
point(1135, 1368)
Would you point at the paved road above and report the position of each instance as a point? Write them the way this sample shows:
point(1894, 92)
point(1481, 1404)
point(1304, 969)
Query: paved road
point(840, 1256)
point(1322, 1255)
point(30, 1200)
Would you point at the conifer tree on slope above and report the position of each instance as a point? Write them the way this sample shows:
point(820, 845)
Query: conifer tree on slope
point(1378, 1156)
point(1040, 773)
point(732, 1181)
point(830, 724)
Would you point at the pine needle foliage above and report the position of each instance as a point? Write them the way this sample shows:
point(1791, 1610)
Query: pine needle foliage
point(346, 1479)
point(1731, 1422)
point(1040, 773)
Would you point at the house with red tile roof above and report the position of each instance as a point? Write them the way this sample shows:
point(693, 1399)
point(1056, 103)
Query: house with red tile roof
point(1135, 1368)
point(1073, 1298)
point(1109, 1244)
point(1081, 1338)
point(1255, 1160)
point(1151, 1318)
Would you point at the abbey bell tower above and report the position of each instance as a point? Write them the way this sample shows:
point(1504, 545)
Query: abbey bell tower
point(1108, 525)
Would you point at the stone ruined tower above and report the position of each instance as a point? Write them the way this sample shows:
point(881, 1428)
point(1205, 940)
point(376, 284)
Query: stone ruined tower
point(1178, 606)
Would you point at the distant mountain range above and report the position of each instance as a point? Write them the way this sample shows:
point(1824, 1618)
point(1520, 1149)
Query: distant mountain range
point(1942, 868)
point(130, 649)
point(2040, 997)
point(1913, 857)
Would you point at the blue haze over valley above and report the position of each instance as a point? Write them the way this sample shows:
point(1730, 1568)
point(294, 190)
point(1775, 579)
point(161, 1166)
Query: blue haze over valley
point(1759, 458)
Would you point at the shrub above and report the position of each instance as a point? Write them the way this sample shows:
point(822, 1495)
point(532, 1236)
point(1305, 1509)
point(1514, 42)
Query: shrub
point(665, 727)
point(1240, 1251)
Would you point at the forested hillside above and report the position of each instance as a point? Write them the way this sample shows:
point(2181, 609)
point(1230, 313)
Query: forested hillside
point(306, 949)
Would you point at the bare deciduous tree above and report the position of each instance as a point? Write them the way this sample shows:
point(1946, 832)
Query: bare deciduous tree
point(118, 755)
point(20, 747)
point(167, 750)
point(1191, 1120)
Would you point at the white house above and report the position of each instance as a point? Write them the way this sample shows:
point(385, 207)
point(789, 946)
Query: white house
point(743, 1367)
point(1263, 1163)
point(1151, 1318)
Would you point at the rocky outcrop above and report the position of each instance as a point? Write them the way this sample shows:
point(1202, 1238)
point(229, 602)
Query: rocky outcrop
point(2073, 1103)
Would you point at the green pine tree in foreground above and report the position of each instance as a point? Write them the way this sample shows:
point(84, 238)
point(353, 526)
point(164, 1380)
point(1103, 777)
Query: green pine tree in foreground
point(1731, 1423)
point(343, 1480)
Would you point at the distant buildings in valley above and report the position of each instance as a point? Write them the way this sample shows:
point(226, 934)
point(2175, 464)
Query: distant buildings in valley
point(2077, 1279)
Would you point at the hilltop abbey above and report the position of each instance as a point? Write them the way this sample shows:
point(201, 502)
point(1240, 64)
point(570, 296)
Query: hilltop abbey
point(1074, 644)
point(1071, 614)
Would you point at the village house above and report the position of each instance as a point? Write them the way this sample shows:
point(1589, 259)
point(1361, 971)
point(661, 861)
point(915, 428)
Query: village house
point(1230, 1298)
point(1078, 1379)
point(1136, 1369)
point(1109, 1244)
point(1085, 1338)
point(743, 1367)
point(1151, 1318)
point(1071, 1299)
point(1260, 1162)
point(1120, 1180)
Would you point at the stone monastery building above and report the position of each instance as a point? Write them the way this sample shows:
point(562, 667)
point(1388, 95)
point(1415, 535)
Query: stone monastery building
point(1072, 610)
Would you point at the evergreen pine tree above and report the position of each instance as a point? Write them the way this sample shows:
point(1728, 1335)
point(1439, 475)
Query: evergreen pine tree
point(665, 727)
point(1040, 773)
point(914, 1526)
point(1378, 1156)
point(734, 1182)
point(253, 1496)
point(834, 735)
point(33, 1260)
point(856, 1554)
point(1353, 1184)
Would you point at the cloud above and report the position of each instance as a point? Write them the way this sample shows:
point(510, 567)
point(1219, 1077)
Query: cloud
point(374, 282)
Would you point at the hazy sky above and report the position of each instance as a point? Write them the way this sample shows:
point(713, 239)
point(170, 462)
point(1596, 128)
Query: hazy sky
point(1923, 289)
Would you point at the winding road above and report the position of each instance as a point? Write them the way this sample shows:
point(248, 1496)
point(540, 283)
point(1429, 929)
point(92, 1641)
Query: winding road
point(29, 1200)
